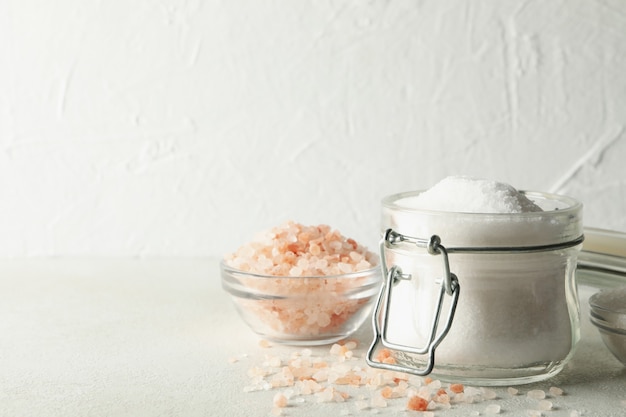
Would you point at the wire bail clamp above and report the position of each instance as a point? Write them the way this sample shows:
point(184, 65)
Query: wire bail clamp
point(449, 286)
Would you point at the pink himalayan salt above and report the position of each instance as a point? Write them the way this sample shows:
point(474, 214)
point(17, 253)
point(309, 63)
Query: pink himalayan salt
point(280, 400)
point(536, 394)
point(312, 306)
point(322, 378)
point(293, 249)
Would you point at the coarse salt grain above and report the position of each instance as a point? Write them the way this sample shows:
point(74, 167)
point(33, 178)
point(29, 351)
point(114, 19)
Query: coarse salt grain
point(555, 391)
point(545, 405)
point(492, 409)
point(536, 394)
point(417, 403)
point(512, 391)
point(280, 400)
point(489, 394)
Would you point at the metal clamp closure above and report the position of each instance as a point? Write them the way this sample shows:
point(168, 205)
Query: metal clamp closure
point(449, 286)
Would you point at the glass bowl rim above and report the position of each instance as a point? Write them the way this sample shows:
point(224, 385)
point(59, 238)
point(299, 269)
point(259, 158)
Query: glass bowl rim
point(374, 270)
point(595, 305)
point(608, 328)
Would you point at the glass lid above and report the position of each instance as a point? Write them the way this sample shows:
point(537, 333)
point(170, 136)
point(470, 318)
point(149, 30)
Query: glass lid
point(602, 261)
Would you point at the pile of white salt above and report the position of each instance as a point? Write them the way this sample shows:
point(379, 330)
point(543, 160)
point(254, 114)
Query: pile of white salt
point(471, 195)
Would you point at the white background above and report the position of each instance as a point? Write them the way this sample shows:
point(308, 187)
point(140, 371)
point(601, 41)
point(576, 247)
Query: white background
point(182, 128)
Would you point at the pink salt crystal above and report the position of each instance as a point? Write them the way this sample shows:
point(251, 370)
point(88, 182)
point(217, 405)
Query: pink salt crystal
point(536, 394)
point(361, 405)
point(545, 405)
point(280, 400)
point(273, 361)
point(489, 394)
point(555, 391)
point(512, 391)
point(435, 385)
point(295, 271)
point(356, 257)
point(378, 401)
point(351, 344)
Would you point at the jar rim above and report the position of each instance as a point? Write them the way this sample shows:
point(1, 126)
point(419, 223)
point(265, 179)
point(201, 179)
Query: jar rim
point(559, 222)
point(571, 205)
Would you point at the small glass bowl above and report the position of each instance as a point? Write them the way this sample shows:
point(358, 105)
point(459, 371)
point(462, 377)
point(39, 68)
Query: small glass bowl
point(608, 314)
point(312, 310)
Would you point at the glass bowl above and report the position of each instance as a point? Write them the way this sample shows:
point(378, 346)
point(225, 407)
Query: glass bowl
point(608, 314)
point(312, 310)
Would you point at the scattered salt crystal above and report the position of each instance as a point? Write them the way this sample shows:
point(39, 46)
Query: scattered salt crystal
point(431, 405)
point(280, 400)
point(489, 394)
point(361, 405)
point(473, 392)
point(325, 395)
point(457, 388)
point(351, 345)
point(435, 384)
point(417, 403)
point(378, 401)
point(273, 361)
point(512, 391)
point(415, 380)
point(545, 405)
point(492, 409)
point(536, 394)
point(555, 391)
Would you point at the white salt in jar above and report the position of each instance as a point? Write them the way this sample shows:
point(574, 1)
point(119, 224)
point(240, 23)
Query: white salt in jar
point(509, 313)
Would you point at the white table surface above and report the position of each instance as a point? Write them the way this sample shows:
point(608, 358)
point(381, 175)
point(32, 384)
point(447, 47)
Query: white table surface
point(154, 338)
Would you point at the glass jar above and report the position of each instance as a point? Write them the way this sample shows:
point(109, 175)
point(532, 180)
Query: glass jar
point(493, 294)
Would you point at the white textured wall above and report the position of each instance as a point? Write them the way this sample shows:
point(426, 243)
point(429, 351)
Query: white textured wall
point(183, 127)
